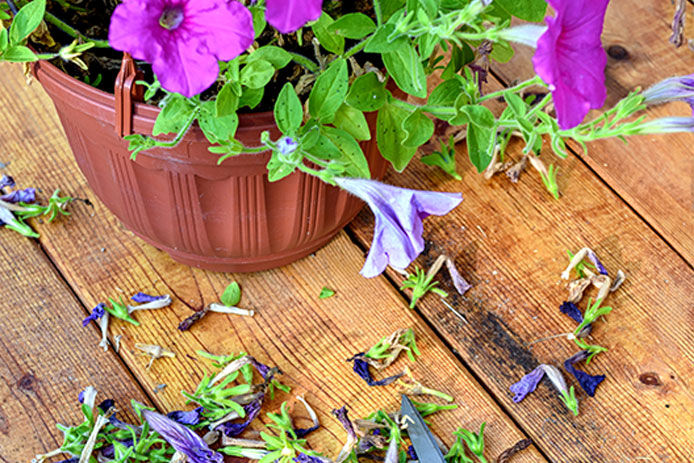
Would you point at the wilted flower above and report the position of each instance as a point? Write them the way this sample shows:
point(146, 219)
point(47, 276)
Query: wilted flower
point(190, 418)
point(667, 125)
point(182, 439)
point(672, 89)
point(252, 411)
point(571, 59)
point(527, 384)
point(6, 181)
point(588, 382)
point(26, 195)
point(570, 309)
point(142, 298)
point(290, 15)
point(97, 313)
point(303, 432)
point(346, 451)
point(361, 367)
point(183, 40)
point(398, 216)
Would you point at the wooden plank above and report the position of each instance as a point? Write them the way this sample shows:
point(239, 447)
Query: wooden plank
point(46, 357)
point(308, 338)
point(652, 173)
point(511, 242)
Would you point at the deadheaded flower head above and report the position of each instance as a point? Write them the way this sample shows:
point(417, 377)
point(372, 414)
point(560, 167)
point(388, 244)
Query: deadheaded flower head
point(190, 418)
point(398, 224)
point(341, 415)
point(530, 381)
point(97, 313)
point(26, 195)
point(361, 368)
point(527, 384)
point(182, 439)
point(589, 383)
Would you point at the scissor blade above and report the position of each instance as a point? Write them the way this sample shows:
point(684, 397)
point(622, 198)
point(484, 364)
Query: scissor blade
point(423, 440)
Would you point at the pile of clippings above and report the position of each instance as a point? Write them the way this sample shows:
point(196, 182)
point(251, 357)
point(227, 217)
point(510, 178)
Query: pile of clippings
point(591, 273)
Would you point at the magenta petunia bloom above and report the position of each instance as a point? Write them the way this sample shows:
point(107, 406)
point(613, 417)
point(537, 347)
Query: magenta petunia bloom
point(183, 40)
point(570, 58)
point(398, 224)
point(290, 15)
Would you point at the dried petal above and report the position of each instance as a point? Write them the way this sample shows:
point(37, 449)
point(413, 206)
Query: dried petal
point(461, 285)
point(589, 383)
point(182, 439)
point(527, 384)
point(186, 324)
point(190, 418)
point(361, 367)
point(252, 411)
point(97, 313)
point(27, 195)
point(570, 309)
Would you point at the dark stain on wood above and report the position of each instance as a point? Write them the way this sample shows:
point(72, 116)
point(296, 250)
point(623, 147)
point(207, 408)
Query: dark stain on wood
point(650, 379)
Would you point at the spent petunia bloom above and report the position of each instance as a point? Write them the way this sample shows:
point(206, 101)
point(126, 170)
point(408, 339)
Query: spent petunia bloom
point(589, 383)
point(288, 16)
point(183, 40)
point(527, 384)
point(672, 89)
point(182, 439)
point(571, 60)
point(142, 298)
point(666, 125)
point(6, 181)
point(570, 309)
point(26, 195)
point(97, 313)
point(361, 368)
point(190, 418)
point(398, 224)
point(252, 410)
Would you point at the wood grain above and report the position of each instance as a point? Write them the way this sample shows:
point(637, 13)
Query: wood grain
point(308, 338)
point(653, 174)
point(46, 357)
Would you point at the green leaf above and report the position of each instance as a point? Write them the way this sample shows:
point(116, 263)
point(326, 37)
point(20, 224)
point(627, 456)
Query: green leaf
point(217, 129)
point(502, 51)
point(277, 170)
point(27, 20)
point(18, 54)
point(257, 74)
point(259, 21)
point(227, 101)
point(278, 57)
point(326, 293)
point(353, 26)
point(251, 97)
point(445, 93)
point(331, 42)
point(351, 154)
point(380, 42)
point(418, 129)
point(389, 7)
point(367, 93)
point(288, 110)
point(173, 117)
point(407, 70)
point(481, 135)
point(329, 92)
point(231, 295)
point(390, 136)
point(4, 40)
point(352, 120)
point(529, 10)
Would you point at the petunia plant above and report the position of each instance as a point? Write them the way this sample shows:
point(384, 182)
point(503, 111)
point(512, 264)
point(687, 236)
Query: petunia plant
point(323, 66)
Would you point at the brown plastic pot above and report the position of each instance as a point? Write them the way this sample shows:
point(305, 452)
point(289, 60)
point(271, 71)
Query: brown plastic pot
point(227, 218)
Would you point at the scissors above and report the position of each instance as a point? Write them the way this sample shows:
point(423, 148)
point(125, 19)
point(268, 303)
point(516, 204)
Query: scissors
point(423, 440)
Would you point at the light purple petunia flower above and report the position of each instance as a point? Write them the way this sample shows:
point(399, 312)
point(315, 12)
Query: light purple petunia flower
point(142, 298)
point(286, 145)
point(182, 39)
point(398, 224)
point(288, 16)
point(182, 439)
point(95, 316)
point(190, 418)
point(672, 89)
point(570, 58)
point(26, 195)
point(6, 181)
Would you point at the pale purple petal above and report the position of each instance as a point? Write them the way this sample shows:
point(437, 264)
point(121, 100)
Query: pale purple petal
point(527, 384)
point(6, 181)
point(27, 195)
point(570, 58)
point(288, 16)
point(398, 214)
point(142, 298)
point(672, 89)
point(182, 439)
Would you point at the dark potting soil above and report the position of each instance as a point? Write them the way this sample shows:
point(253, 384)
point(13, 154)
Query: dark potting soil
point(92, 17)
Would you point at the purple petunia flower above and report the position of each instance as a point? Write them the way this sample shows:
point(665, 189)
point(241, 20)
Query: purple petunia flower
point(26, 195)
point(286, 145)
point(288, 16)
point(303, 432)
point(672, 89)
point(190, 418)
point(182, 439)
point(6, 181)
point(361, 367)
point(252, 411)
point(142, 298)
point(570, 309)
point(527, 384)
point(303, 458)
point(398, 224)
point(570, 58)
point(588, 382)
point(598, 265)
point(97, 313)
point(183, 40)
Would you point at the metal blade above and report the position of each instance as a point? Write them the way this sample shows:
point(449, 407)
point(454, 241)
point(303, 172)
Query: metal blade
point(422, 439)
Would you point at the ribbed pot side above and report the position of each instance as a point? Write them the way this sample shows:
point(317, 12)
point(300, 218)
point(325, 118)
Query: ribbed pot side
point(226, 218)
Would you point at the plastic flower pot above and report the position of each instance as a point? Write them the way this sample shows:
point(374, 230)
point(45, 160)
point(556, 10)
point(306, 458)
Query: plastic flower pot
point(226, 218)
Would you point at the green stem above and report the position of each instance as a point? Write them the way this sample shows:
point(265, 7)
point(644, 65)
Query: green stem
point(254, 150)
point(303, 61)
point(181, 133)
point(72, 32)
point(379, 13)
point(356, 48)
point(434, 110)
point(439, 394)
point(528, 83)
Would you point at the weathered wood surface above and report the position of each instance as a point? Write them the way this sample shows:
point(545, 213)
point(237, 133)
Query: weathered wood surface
point(653, 174)
point(46, 357)
point(308, 338)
